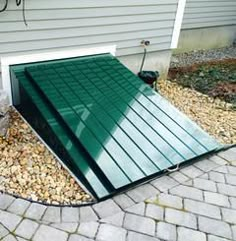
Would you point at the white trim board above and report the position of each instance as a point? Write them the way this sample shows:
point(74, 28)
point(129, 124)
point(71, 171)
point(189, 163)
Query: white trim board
point(178, 24)
point(6, 62)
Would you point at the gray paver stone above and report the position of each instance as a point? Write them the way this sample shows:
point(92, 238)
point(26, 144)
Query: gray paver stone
point(116, 220)
point(221, 169)
point(9, 220)
point(187, 192)
point(206, 165)
point(141, 193)
point(229, 215)
point(191, 171)
point(228, 155)
point(202, 208)
point(164, 183)
point(69, 214)
point(233, 202)
point(19, 206)
point(20, 239)
point(216, 238)
point(35, 211)
point(26, 229)
point(9, 237)
point(123, 201)
point(88, 229)
point(87, 214)
point(234, 231)
point(215, 227)
point(206, 185)
point(5, 201)
point(68, 227)
point(189, 234)
point(75, 237)
point(217, 177)
point(137, 209)
point(216, 199)
point(3, 231)
point(231, 179)
point(139, 224)
point(227, 189)
point(155, 212)
point(179, 177)
point(166, 231)
point(218, 160)
point(46, 233)
point(106, 208)
point(52, 214)
point(168, 200)
point(107, 232)
point(232, 169)
point(181, 218)
point(132, 236)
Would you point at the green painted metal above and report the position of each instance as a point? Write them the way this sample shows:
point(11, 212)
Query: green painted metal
point(119, 130)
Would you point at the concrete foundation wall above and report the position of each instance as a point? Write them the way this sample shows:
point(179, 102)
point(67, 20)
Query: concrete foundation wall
point(206, 38)
point(155, 61)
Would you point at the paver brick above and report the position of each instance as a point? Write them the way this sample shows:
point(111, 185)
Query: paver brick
point(166, 231)
point(88, 229)
point(52, 214)
point(214, 227)
point(75, 237)
point(216, 238)
point(234, 231)
point(141, 193)
point(116, 220)
point(168, 200)
point(189, 234)
point(204, 184)
point(123, 201)
point(132, 236)
point(70, 214)
point(107, 232)
point(68, 227)
point(139, 224)
point(179, 177)
point(218, 160)
point(9, 220)
point(187, 192)
point(232, 169)
point(216, 199)
point(155, 212)
point(226, 189)
point(191, 171)
point(3, 231)
point(87, 214)
point(164, 183)
point(228, 155)
point(137, 209)
point(19, 206)
point(35, 211)
point(202, 208)
point(5, 201)
point(221, 169)
point(206, 165)
point(233, 202)
point(9, 237)
point(180, 218)
point(106, 208)
point(26, 229)
point(46, 233)
point(229, 215)
point(217, 177)
point(231, 179)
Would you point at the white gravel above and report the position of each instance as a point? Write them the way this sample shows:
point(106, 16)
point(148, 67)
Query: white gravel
point(198, 56)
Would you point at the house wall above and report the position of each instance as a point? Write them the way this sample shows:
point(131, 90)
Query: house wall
point(69, 24)
point(208, 24)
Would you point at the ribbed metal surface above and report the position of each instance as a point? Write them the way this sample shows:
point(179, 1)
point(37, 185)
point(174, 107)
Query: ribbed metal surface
point(120, 130)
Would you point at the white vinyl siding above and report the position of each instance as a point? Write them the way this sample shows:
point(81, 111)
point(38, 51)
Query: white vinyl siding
point(70, 24)
point(209, 13)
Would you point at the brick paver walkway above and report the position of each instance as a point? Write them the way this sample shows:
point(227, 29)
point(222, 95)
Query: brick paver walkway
point(196, 203)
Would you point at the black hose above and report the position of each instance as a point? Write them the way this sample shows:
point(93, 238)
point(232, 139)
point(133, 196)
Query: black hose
point(143, 61)
point(18, 3)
